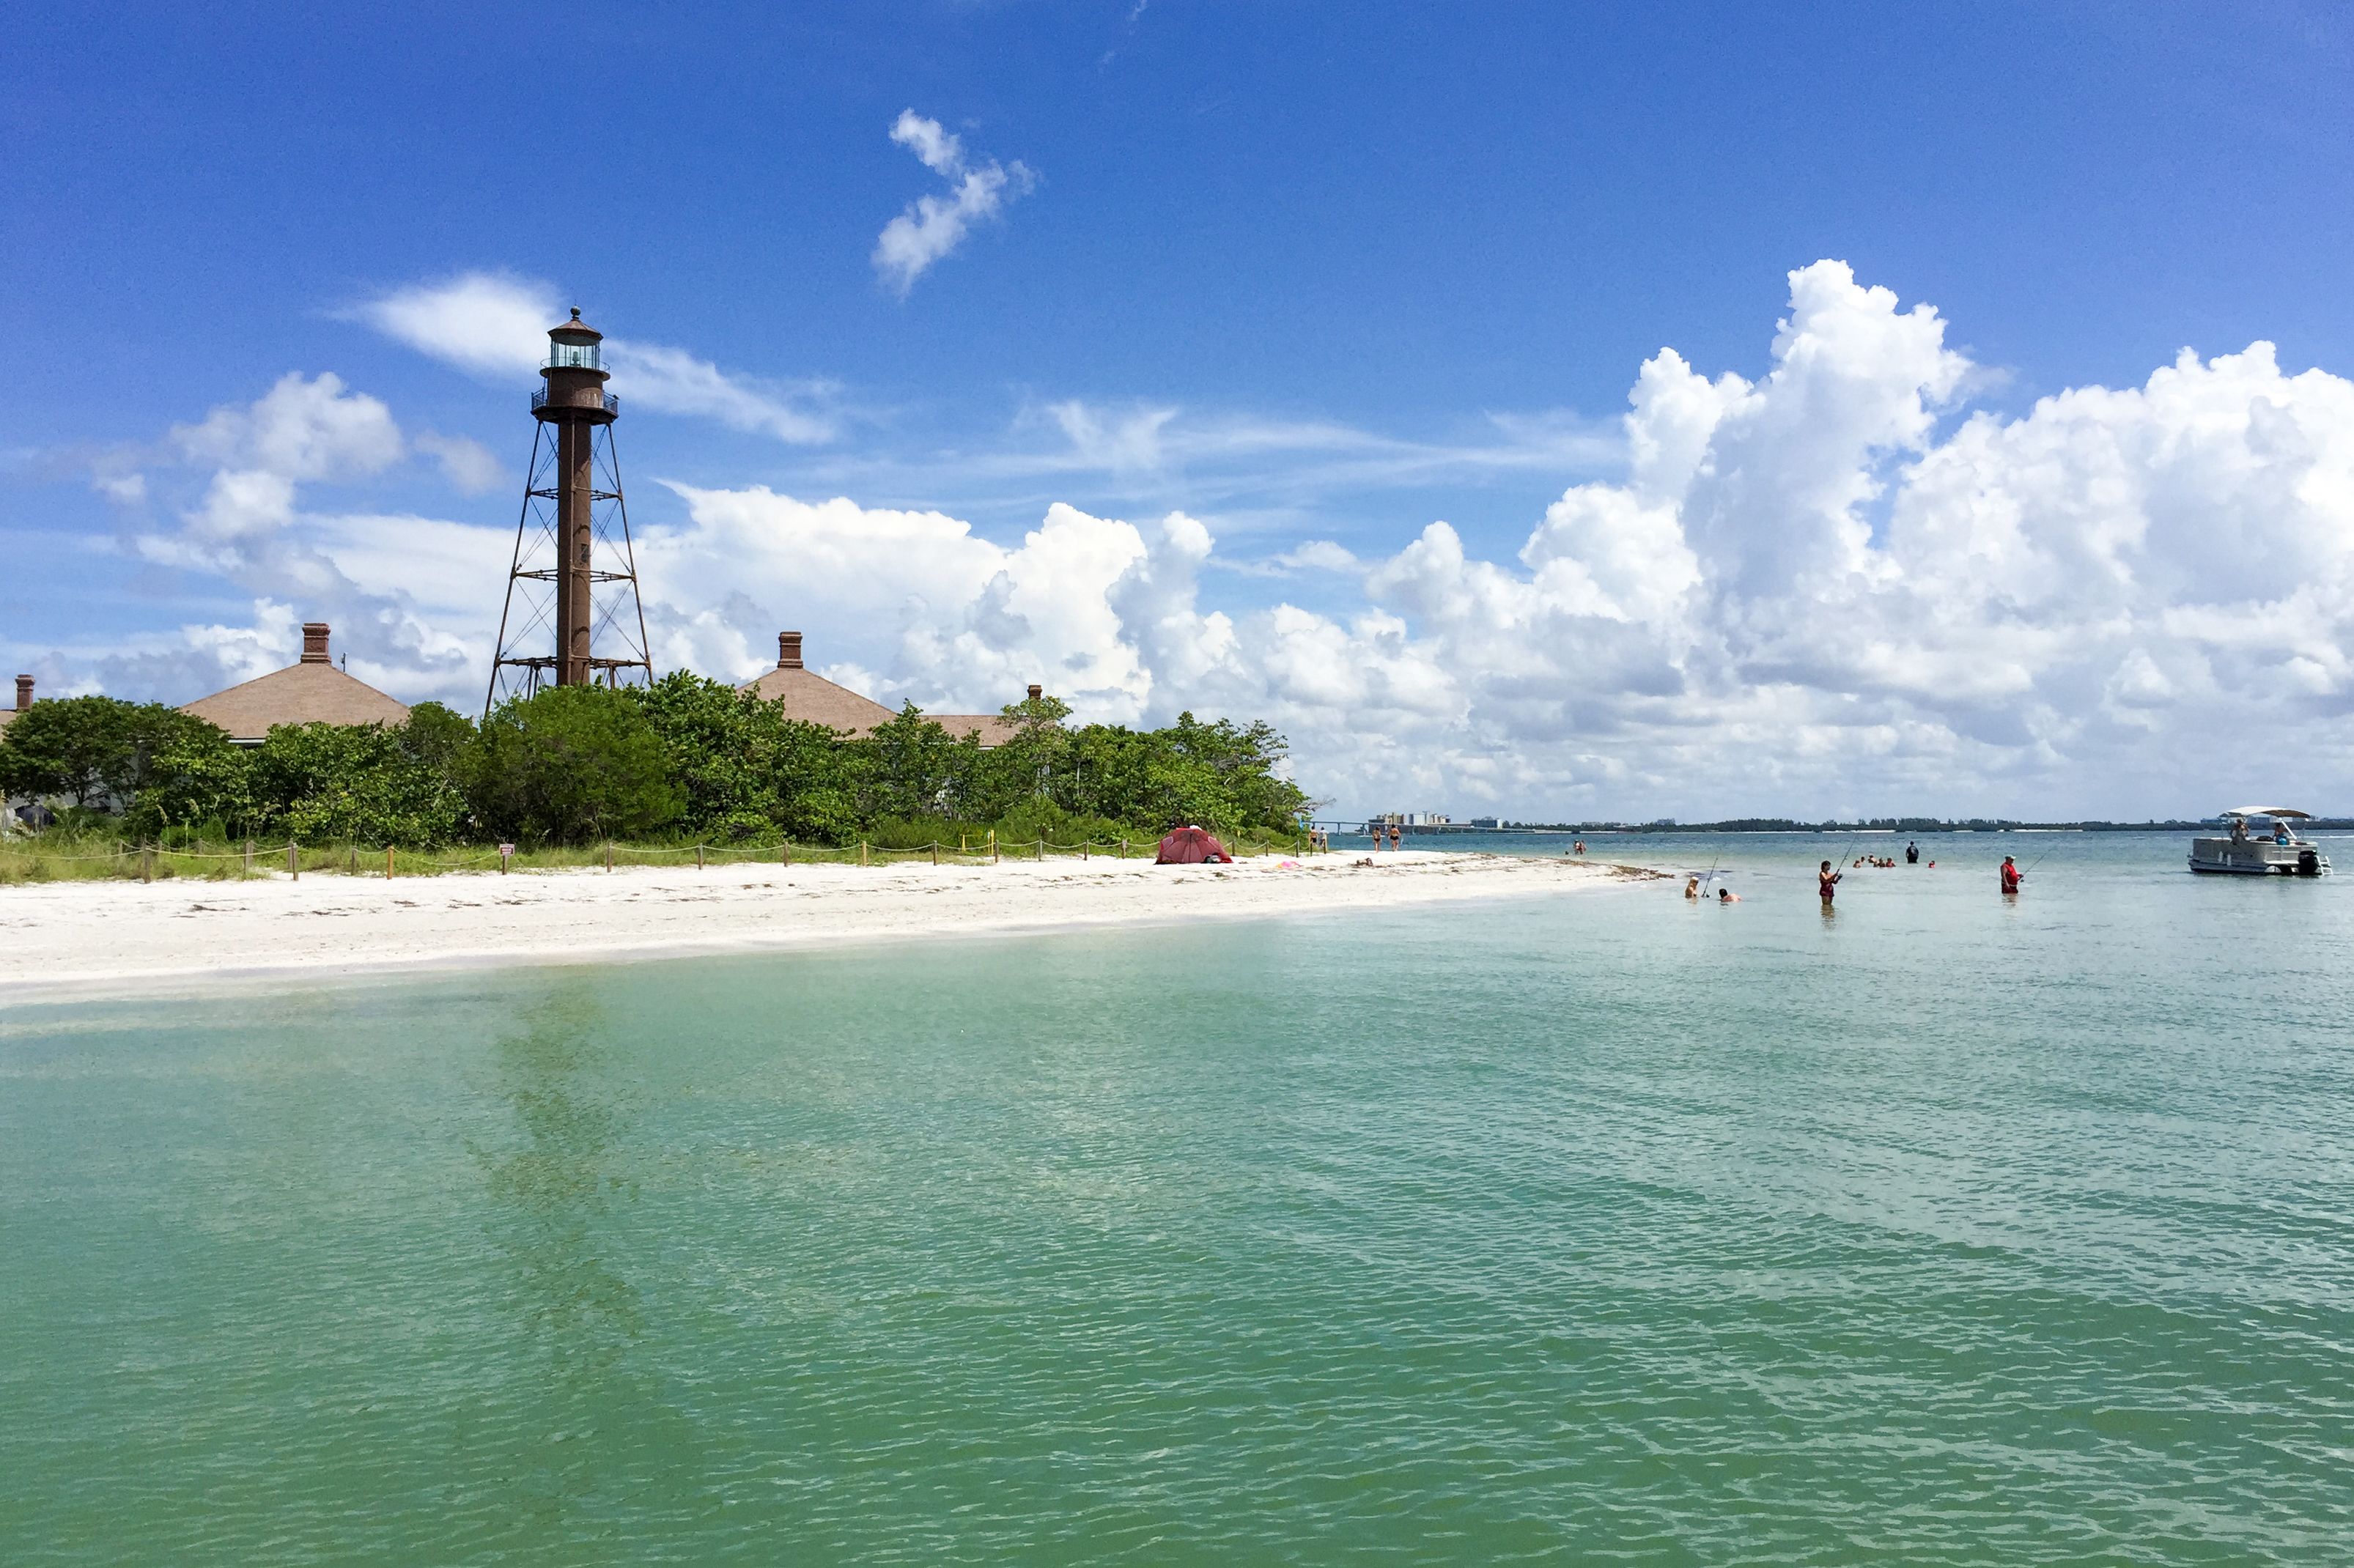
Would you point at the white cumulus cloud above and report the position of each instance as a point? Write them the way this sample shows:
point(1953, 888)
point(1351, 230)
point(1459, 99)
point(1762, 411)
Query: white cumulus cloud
point(933, 225)
point(1829, 586)
point(1799, 597)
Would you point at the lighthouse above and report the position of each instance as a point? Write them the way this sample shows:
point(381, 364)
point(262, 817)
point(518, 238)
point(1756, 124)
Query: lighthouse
point(573, 581)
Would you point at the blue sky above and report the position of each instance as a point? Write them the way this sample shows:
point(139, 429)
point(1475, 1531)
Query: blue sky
point(1315, 279)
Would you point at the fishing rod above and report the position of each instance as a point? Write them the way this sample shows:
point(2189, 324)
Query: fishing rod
point(2040, 859)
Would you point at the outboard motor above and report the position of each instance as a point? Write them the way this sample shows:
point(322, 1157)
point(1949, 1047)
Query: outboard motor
point(2308, 863)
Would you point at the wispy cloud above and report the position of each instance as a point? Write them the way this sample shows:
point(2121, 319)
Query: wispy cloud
point(934, 226)
point(466, 462)
point(496, 324)
point(1162, 451)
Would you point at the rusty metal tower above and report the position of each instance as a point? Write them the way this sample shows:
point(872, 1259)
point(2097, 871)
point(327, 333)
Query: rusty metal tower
point(574, 580)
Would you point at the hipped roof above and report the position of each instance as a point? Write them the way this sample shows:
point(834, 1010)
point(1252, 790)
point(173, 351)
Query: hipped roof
point(812, 698)
point(309, 693)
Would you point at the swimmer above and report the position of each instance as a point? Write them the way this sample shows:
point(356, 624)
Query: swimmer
point(1726, 896)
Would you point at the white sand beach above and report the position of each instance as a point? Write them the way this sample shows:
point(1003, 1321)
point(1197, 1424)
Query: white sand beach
point(100, 937)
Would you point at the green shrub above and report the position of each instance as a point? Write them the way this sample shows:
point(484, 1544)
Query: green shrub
point(571, 765)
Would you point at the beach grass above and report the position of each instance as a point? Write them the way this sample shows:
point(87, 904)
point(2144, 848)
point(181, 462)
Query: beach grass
point(62, 855)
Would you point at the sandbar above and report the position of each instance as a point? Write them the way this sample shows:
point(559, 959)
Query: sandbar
point(99, 938)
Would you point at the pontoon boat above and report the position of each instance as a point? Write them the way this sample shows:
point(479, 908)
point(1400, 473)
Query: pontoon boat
point(2272, 850)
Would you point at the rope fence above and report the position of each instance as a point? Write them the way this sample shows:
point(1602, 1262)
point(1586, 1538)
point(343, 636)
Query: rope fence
point(355, 860)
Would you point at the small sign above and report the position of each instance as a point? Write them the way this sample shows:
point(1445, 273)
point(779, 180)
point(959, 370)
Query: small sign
point(506, 849)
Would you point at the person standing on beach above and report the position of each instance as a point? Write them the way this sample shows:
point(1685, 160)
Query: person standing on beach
point(1827, 880)
point(2010, 876)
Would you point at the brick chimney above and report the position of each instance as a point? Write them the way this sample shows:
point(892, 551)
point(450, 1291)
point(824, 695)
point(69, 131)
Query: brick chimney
point(24, 693)
point(314, 643)
point(1037, 692)
point(789, 650)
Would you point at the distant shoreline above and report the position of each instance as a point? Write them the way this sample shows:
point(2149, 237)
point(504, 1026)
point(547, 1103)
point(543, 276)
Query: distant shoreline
point(90, 940)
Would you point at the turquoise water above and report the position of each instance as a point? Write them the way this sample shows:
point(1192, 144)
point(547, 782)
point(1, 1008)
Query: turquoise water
point(1596, 1228)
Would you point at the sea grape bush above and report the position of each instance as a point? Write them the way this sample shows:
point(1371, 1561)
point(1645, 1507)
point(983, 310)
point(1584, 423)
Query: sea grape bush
point(686, 759)
point(94, 752)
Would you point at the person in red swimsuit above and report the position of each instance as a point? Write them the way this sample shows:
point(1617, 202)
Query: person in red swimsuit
point(1827, 880)
point(2010, 876)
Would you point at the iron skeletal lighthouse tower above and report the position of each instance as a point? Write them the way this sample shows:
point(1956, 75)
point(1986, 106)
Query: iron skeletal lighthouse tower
point(574, 572)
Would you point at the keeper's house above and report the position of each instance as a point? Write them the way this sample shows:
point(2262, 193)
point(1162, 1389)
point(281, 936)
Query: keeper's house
point(311, 691)
point(18, 811)
point(811, 697)
point(24, 700)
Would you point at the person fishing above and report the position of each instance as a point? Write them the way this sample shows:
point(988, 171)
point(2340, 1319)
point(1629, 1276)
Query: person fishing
point(2010, 876)
point(1912, 853)
point(1826, 881)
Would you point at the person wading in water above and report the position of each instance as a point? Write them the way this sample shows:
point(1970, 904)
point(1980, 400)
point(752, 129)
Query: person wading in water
point(1827, 880)
point(2010, 876)
point(1912, 854)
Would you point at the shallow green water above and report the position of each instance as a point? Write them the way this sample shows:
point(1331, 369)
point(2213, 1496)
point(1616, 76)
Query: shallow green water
point(1597, 1228)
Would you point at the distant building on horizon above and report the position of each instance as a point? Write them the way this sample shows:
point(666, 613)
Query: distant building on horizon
point(812, 698)
point(309, 691)
point(1408, 820)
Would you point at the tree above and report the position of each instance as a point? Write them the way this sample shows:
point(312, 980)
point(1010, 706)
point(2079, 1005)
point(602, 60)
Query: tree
point(571, 765)
point(438, 738)
point(99, 750)
point(915, 768)
point(196, 777)
point(711, 736)
point(358, 783)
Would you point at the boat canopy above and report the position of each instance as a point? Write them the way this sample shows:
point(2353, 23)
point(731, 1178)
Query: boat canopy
point(2268, 811)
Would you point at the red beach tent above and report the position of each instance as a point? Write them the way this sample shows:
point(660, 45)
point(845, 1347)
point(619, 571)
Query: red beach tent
point(1190, 846)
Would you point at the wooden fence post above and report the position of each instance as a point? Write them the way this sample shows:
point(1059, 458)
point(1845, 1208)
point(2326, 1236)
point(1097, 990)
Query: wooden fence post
point(249, 854)
point(292, 869)
point(698, 857)
point(992, 846)
point(609, 854)
point(786, 857)
point(146, 863)
point(862, 852)
point(387, 862)
point(936, 852)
